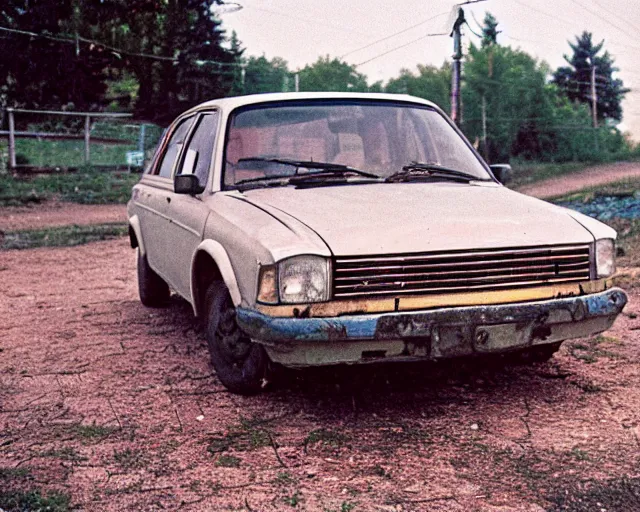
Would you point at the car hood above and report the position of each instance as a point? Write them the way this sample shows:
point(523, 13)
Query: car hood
point(421, 217)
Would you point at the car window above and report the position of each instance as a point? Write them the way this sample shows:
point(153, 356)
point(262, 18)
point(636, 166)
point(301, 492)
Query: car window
point(173, 148)
point(200, 148)
point(380, 137)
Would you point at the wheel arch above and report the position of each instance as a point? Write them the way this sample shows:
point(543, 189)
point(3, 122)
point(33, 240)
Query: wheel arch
point(135, 234)
point(211, 262)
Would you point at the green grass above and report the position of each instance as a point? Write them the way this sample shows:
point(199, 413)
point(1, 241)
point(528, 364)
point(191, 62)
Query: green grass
point(65, 236)
point(93, 431)
point(34, 501)
point(85, 187)
point(70, 153)
point(228, 461)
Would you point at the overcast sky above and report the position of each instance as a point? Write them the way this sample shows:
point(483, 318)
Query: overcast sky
point(301, 30)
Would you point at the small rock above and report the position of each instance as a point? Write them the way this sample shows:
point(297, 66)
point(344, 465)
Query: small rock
point(475, 426)
point(200, 418)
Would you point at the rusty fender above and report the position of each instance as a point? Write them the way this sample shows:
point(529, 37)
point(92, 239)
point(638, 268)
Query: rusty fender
point(420, 324)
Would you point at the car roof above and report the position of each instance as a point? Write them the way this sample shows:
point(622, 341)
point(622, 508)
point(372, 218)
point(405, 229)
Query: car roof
point(229, 103)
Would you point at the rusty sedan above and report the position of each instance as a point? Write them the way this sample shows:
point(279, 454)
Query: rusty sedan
point(338, 228)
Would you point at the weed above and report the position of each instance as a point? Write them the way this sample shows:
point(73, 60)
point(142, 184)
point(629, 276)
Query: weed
point(580, 454)
point(67, 453)
point(248, 435)
point(228, 461)
point(325, 437)
point(347, 506)
point(34, 501)
point(380, 471)
point(617, 494)
point(292, 500)
point(284, 479)
point(128, 458)
point(588, 386)
point(89, 187)
point(14, 473)
point(93, 431)
point(64, 236)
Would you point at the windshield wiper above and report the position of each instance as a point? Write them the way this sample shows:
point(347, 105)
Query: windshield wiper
point(417, 170)
point(310, 164)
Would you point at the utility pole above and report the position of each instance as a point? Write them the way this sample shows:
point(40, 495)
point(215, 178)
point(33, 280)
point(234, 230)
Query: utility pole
point(594, 106)
point(484, 128)
point(297, 81)
point(594, 96)
point(456, 114)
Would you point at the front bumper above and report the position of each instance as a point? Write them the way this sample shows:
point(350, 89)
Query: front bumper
point(431, 334)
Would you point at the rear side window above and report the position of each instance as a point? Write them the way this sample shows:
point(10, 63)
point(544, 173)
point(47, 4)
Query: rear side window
point(197, 159)
point(173, 148)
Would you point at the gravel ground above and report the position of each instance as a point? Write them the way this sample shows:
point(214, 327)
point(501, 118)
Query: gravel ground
point(116, 406)
point(592, 177)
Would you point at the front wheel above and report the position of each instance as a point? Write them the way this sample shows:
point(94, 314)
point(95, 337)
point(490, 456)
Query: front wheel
point(242, 366)
point(153, 291)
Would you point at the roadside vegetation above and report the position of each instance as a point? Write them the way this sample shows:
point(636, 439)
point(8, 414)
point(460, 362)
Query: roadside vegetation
point(64, 236)
point(87, 186)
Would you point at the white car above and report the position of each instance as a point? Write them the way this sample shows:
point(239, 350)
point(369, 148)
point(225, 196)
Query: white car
point(325, 228)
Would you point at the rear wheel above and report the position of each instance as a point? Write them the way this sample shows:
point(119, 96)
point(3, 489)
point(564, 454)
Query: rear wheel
point(152, 289)
point(242, 366)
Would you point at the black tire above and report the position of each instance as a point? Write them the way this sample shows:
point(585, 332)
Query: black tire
point(153, 291)
point(242, 366)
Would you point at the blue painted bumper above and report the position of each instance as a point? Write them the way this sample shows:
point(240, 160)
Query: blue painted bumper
point(420, 324)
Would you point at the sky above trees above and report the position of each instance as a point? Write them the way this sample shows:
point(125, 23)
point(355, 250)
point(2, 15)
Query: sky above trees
point(300, 31)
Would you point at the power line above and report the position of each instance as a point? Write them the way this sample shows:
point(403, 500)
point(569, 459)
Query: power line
point(401, 46)
point(615, 15)
point(571, 23)
point(394, 34)
point(75, 40)
point(589, 10)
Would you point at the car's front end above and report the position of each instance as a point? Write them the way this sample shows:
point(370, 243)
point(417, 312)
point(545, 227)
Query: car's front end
point(431, 261)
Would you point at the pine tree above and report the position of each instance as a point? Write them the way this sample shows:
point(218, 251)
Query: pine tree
point(575, 80)
point(489, 30)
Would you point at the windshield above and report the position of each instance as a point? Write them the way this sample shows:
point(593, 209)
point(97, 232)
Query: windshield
point(373, 136)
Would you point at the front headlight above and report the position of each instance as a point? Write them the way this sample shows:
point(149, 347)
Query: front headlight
point(303, 279)
point(605, 257)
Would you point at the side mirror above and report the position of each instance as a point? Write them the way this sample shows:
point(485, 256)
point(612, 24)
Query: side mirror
point(502, 172)
point(187, 184)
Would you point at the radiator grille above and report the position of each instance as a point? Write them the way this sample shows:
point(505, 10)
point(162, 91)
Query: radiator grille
point(450, 272)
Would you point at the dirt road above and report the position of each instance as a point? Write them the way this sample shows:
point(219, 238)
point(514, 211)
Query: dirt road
point(591, 177)
point(117, 406)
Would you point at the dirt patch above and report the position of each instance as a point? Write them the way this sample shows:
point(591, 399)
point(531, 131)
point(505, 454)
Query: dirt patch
point(588, 178)
point(116, 407)
point(53, 214)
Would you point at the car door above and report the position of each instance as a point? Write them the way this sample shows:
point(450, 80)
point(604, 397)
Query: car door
point(155, 195)
point(188, 214)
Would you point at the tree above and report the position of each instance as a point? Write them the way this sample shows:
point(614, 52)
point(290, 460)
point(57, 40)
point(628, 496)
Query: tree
point(53, 71)
point(328, 74)
point(575, 80)
point(430, 83)
point(512, 86)
point(263, 75)
point(489, 30)
point(174, 50)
